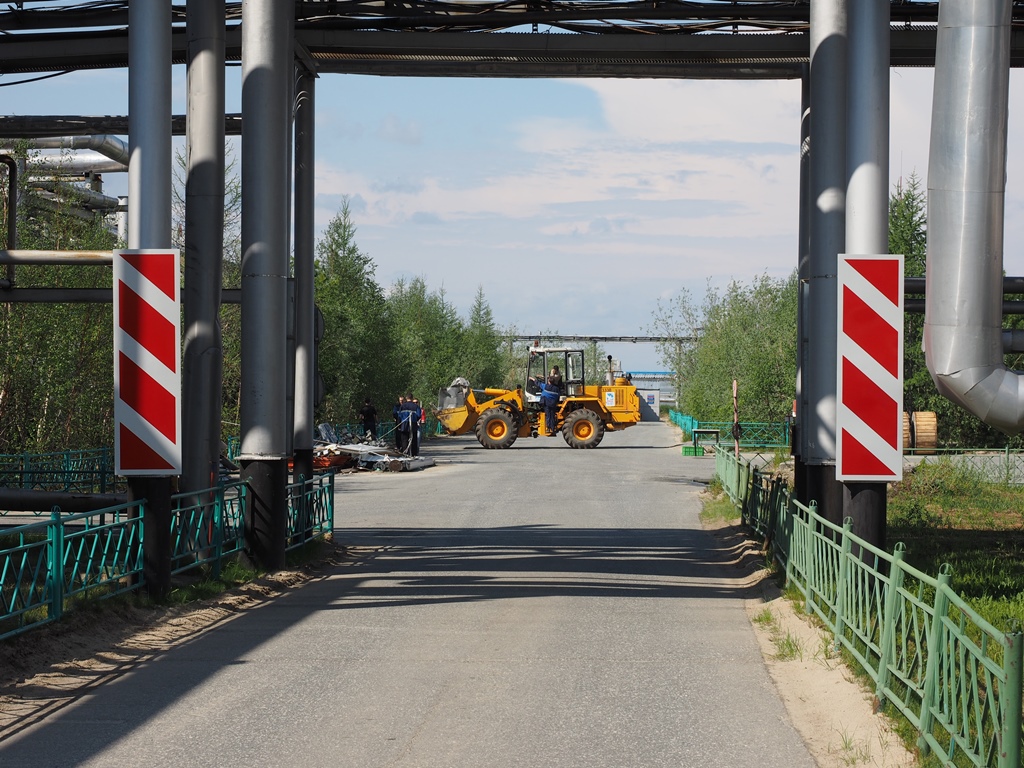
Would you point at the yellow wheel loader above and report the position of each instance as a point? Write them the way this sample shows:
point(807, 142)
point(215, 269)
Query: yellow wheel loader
point(583, 414)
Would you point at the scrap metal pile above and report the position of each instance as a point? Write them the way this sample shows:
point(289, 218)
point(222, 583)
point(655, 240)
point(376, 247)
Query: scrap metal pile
point(348, 451)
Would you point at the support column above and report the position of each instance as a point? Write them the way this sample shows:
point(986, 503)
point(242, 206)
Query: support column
point(266, 111)
point(305, 103)
point(828, 46)
point(149, 224)
point(202, 365)
point(799, 437)
point(867, 197)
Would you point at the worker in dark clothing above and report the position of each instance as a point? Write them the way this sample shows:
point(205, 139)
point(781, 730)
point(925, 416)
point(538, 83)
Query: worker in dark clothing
point(408, 423)
point(549, 395)
point(396, 411)
point(369, 416)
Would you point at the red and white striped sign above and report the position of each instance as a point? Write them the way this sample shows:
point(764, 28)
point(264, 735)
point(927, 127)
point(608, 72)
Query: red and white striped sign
point(869, 413)
point(147, 367)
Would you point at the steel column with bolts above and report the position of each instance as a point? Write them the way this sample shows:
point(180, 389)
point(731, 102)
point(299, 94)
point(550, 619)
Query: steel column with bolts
point(149, 223)
point(867, 197)
point(828, 52)
point(202, 366)
point(305, 106)
point(267, 57)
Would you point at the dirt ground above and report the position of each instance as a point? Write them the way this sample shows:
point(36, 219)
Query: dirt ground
point(47, 669)
point(829, 708)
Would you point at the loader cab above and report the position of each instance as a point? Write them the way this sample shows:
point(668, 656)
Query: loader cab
point(569, 362)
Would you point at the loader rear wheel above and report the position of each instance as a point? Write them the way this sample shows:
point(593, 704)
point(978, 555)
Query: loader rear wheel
point(496, 429)
point(583, 429)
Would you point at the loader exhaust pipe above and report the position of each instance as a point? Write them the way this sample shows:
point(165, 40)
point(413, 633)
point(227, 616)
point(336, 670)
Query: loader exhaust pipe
point(963, 339)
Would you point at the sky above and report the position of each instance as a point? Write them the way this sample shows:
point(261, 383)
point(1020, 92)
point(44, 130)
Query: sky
point(576, 205)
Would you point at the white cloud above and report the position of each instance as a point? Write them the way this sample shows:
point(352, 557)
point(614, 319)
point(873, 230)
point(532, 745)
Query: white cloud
point(668, 111)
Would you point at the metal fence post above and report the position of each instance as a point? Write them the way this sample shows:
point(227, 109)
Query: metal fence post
point(55, 563)
point(1010, 725)
point(809, 557)
point(330, 502)
point(844, 573)
point(933, 662)
point(103, 470)
point(889, 621)
point(218, 530)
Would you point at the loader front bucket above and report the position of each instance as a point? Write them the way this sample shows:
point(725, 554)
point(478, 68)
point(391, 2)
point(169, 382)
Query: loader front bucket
point(452, 410)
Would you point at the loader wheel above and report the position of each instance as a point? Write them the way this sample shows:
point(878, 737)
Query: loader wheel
point(583, 429)
point(496, 429)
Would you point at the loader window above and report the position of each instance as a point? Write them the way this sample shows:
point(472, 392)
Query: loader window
point(574, 368)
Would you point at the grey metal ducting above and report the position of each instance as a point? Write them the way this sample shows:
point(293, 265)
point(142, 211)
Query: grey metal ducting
point(963, 337)
point(75, 165)
point(109, 146)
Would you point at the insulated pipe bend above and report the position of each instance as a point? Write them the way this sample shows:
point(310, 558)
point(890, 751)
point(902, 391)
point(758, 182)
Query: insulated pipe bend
point(963, 339)
point(113, 147)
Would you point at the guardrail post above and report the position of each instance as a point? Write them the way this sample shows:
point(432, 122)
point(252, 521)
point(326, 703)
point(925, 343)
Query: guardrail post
point(809, 557)
point(931, 683)
point(1010, 725)
point(55, 563)
point(330, 501)
point(844, 574)
point(218, 530)
point(103, 470)
point(889, 621)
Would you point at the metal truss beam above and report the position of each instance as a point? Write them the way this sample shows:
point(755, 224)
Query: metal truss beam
point(37, 126)
point(462, 54)
point(603, 339)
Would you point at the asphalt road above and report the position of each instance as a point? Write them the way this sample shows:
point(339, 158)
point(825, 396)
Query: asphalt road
point(537, 607)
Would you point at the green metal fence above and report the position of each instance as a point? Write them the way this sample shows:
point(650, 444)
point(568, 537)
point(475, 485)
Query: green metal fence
point(88, 471)
point(310, 510)
point(753, 434)
point(953, 675)
point(44, 565)
point(207, 526)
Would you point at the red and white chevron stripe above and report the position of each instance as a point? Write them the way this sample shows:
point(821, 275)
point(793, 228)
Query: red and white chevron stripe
point(869, 413)
point(147, 368)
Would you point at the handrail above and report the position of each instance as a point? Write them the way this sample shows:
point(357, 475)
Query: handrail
point(100, 553)
point(953, 675)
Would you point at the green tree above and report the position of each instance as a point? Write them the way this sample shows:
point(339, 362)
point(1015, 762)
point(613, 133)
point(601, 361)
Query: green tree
point(680, 319)
point(430, 338)
point(746, 333)
point(56, 360)
point(357, 352)
point(482, 360)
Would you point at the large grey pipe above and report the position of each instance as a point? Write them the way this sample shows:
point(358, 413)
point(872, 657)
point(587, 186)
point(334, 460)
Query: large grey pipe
point(267, 70)
point(828, 41)
point(149, 124)
point(305, 193)
point(149, 217)
point(966, 183)
point(202, 364)
point(109, 146)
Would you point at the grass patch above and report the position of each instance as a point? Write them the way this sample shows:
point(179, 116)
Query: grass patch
point(850, 751)
point(947, 513)
point(719, 510)
point(203, 585)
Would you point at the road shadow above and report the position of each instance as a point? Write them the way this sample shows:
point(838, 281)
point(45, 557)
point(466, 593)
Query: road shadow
point(390, 569)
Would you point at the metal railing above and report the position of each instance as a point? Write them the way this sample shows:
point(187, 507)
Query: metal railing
point(753, 434)
point(87, 471)
point(310, 510)
point(207, 526)
point(45, 565)
point(953, 675)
